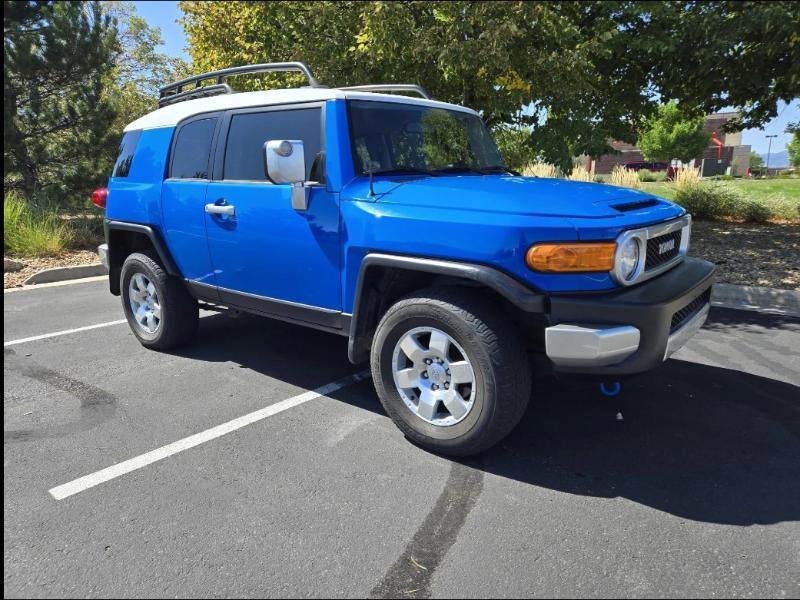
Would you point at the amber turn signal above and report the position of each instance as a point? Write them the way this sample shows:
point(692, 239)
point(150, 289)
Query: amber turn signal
point(571, 257)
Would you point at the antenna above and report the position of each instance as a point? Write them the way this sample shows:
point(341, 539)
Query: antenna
point(371, 179)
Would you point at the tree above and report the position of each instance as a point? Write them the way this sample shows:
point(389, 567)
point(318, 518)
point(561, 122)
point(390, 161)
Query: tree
point(496, 57)
point(793, 147)
point(575, 74)
point(671, 134)
point(57, 56)
point(140, 68)
point(756, 162)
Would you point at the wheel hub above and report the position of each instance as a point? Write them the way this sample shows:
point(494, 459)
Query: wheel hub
point(433, 376)
point(438, 374)
point(144, 303)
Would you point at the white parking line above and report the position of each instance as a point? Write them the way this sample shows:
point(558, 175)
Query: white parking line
point(88, 481)
point(44, 336)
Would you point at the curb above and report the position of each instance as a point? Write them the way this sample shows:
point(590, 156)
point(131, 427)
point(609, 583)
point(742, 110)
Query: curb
point(66, 273)
point(751, 297)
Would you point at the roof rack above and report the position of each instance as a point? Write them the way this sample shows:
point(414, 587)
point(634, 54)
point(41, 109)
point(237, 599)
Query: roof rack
point(175, 92)
point(391, 87)
point(178, 92)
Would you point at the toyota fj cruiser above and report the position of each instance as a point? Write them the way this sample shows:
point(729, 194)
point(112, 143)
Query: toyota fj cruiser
point(391, 220)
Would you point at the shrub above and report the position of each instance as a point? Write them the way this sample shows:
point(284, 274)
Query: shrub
point(686, 177)
point(579, 173)
point(646, 175)
point(714, 200)
point(541, 169)
point(32, 230)
point(625, 178)
point(750, 210)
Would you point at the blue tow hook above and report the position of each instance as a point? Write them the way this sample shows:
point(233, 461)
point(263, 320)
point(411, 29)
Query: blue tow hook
point(610, 389)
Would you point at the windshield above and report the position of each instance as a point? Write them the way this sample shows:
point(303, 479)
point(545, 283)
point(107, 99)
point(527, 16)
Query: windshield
point(394, 137)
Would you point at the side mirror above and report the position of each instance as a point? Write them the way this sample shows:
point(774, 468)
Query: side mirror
point(285, 162)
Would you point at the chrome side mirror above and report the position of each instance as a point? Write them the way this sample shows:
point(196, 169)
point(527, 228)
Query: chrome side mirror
point(285, 162)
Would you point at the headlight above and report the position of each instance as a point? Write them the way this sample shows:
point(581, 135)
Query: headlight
point(628, 258)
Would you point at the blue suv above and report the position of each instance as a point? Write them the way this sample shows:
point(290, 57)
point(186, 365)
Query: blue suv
point(390, 219)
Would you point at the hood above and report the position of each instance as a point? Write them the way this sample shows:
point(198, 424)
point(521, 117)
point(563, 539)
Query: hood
point(506, 194)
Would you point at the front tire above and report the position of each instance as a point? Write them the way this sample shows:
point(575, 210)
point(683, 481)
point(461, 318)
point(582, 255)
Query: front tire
point(159, 309)
point(450, 370)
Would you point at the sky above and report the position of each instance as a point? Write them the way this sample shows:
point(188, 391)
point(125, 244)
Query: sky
point(164, 14)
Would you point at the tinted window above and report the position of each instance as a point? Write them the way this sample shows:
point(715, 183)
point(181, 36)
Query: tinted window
point(190, 157)
point(396, 136)
point(244, 154)
point(127, 147)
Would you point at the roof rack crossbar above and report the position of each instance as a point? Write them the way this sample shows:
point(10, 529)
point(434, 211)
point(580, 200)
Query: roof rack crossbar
point(169, 93)
point(391, 87)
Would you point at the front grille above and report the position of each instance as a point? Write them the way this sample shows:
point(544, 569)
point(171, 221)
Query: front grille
point(655, 258)
point(689, 310)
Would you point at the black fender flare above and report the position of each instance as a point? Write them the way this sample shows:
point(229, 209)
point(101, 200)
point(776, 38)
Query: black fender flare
point(154, 236)
point(518, 294)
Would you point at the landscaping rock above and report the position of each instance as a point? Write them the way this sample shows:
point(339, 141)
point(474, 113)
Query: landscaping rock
point(11, 266)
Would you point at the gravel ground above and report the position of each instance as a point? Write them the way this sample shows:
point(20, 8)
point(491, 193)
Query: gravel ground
point(34, 265)
point(748, 254)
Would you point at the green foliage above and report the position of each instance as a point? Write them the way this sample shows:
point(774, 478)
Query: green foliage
point(650, 176)
point(75, 74)
point(55, 110)
point(756, 162)
point(793, 147)
point(585, 72)
point(32, 230)
point(139, 69)
point(515, 146)
point(714, 200)
point(671, 134)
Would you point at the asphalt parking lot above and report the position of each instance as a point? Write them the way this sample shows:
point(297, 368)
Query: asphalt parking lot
point(695, 493)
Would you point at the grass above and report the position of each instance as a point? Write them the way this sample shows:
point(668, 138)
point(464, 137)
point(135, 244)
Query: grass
point(31, 229)
point(779, 197)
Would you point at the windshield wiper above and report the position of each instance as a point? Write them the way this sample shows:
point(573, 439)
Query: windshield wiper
point(500, 169)
point(491, 170)
point(404, 171)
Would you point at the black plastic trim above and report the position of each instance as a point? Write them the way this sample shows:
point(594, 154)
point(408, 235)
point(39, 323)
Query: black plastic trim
point(519, 295)
point(150, 232)
point(326, 319)
point(648, 306)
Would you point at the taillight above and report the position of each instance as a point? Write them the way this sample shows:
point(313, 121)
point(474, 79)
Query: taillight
point(99, 197)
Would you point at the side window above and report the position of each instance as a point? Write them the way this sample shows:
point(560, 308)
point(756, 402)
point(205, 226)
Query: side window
point(127, 147)
point(248, 132)
point(192, 151)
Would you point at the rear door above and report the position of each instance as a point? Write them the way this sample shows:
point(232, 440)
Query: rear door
point(183, 196)
point(267, 254)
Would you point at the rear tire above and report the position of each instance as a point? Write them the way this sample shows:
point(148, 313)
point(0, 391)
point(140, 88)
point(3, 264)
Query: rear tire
point(159, 309)
point(450, 370)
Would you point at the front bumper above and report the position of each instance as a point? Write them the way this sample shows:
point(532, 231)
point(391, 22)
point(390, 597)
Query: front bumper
point(632, 330)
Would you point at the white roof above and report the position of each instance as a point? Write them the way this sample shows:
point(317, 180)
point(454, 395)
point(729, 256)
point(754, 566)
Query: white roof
point(171, 115)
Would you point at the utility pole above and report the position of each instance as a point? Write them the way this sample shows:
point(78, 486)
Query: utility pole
point(769, 149)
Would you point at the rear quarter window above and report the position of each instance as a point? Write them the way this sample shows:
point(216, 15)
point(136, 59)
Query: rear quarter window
point(192, 152)
point(127, 149)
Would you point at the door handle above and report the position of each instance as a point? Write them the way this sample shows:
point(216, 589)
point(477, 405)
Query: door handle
point(221, 209)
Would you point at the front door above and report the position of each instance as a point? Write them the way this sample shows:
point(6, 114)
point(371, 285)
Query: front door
point(264, 252)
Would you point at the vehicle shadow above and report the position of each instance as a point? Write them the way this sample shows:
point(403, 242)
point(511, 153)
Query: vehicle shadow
point(697, 441)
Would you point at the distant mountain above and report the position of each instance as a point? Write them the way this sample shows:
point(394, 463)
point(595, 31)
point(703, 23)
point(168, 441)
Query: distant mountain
point(776, 159)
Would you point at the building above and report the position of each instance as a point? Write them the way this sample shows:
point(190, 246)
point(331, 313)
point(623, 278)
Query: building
point(714, 161)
